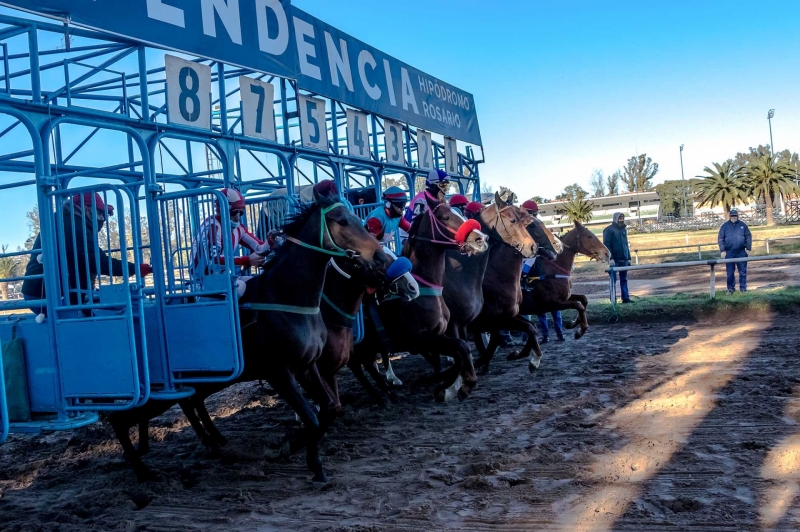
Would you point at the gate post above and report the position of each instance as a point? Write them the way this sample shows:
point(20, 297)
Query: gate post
point(766, 241)
point(612, 288)
point(713, 282)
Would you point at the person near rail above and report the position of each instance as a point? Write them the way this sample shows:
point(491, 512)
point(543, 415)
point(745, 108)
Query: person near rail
point(385, 219)
point(735, 240)
point(208, 249)
point(615, 238)
point(459, 202)
point(82, 252)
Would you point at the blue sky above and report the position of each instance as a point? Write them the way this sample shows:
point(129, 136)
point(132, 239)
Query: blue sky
point(564, 87)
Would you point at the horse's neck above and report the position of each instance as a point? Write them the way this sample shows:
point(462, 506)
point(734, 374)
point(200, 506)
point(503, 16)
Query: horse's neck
point(344, 293)
point(506, 262)
point(427, 262)
point(297, 277)
point(566, 258)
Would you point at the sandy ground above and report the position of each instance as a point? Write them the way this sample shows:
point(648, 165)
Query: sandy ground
point(666, 281)
point(635, 427)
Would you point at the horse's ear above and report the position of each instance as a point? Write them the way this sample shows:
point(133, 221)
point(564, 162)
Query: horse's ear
point(431, 201)
point(497, 199)
point(325, 193)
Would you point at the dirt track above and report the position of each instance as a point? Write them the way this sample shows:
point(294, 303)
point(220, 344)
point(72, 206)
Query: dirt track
point(681, 426)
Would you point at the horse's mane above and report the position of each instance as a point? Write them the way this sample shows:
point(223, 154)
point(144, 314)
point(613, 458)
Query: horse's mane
point(294, 223)
point(412, 232)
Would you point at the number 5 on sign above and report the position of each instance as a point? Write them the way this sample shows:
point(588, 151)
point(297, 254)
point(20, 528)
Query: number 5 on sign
point(357, 134)
point(450, 155)
point(314, 132)
point(424, 150)
point(393, 135)
point(258, 117)
point(188, 92)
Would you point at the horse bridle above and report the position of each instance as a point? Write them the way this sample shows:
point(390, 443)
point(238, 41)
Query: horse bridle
point(323, 231)
point(514, 243)
point(436, 225)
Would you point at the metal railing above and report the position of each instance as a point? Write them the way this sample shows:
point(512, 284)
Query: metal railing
point(612, 286)
point(699, 247)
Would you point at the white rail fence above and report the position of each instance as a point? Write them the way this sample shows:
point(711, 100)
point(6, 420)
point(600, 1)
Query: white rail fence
point(612, 286)
point(699, 247)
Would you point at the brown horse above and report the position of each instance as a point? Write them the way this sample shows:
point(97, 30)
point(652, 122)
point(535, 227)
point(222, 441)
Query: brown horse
point(419, 326)
point(463, 288)
point(548, 286)
point(283, 332)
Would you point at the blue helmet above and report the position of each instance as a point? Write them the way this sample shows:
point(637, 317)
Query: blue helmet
point(437, 177)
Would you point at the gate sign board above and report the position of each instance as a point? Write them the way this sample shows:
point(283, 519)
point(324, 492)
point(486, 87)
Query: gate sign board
point(393, 134)
point(275, 37)
point(424, 150)
point(188, 92)
point(450, 156)
point(313, 129)
point(357, 134)
point(258, 113)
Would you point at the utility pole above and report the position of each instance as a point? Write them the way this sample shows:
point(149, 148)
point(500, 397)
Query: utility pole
point(683, 186)
point(770, 114)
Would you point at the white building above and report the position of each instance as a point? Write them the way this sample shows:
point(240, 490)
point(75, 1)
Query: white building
point(635, 205)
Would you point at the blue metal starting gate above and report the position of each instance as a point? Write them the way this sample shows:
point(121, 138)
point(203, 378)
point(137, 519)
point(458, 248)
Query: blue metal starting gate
point(95, 160)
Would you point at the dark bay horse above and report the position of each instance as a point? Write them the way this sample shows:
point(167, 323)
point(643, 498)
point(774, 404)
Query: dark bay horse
point(464, 275)
point(283, 332)
point(548, 286)
point(419, 326)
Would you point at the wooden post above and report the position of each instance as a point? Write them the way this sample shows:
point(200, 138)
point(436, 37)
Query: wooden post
point(612, 288)
point(766, 241)
point(699, 253)
point(636, 254)
point(713, 282)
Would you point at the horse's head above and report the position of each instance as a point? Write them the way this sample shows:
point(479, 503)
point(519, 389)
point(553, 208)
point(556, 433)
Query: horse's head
point(583, 241)
point(448, 226)
point(399, 280)
point(347, 235)
point(507, 222)
point(549, 244)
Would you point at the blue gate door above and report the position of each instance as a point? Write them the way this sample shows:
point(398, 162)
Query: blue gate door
point(98, 279)
point(200, 312)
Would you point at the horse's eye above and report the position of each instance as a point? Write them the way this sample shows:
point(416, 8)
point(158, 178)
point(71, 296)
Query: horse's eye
point(446, 218)
point(342, 222)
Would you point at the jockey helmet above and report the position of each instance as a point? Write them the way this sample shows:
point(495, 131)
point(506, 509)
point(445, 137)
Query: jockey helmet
point(530, 205)
point(474, 207)
point(458, 200)
point(437, 178)
point(395, 195)
point(87, 201)
point(234, 197)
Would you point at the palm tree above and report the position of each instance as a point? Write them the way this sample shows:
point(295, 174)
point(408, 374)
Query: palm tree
point(724, 185)
point(767, 175)
point(578, 210)
point(8, 268)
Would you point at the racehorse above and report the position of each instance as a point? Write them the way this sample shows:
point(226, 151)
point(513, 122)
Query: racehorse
point(419, 326)
point(283, 333)
point(464, 275)
point(548, 286)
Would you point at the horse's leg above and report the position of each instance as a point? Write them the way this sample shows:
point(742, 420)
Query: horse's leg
point(358, 370)
point(480, 345)
point(584, 321)
point(319, 390)
point(121, 425)
point(144, 437)
point(284, 382)
point(452, 380)
point(518, 323)
point(484, 360)
point(391, 378)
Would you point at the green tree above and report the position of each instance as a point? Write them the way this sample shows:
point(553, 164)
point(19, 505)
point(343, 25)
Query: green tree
point(612, 182)
point(572, 192)
point(598, 184)
point(578, 210)
point(539, 200)
point(722, 185)
point(768, 175)
point(33, 226)
point(9, 267)
point(671, 195)
point(638, 174)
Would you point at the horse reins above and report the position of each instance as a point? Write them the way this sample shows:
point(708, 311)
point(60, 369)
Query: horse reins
point(515, 245)
point(437, 226)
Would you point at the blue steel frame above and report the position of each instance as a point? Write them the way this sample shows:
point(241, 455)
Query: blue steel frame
point(108, 83)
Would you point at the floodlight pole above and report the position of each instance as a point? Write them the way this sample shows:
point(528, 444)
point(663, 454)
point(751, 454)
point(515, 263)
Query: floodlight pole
point(770, 114)
point(683, 183)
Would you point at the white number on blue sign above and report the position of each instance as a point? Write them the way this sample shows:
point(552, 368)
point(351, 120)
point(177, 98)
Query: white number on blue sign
point(357, 134)
point(393, 134)
point(424, 150)
point(450, 155)
point(314, 132)
point(258, 117)
point(188, 92)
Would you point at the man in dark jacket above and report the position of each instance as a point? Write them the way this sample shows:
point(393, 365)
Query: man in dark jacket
point(615, 238)
point(81, 243)
point(734, 242)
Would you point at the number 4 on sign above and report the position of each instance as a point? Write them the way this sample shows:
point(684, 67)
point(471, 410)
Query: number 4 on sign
point(451, 155)
point(188, 92)
point(357, 134)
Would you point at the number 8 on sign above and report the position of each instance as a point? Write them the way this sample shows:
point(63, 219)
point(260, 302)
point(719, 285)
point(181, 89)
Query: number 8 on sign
point(188, 92)
point(357, 134)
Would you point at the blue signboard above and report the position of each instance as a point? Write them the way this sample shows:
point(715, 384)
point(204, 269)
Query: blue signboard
point(273, 36)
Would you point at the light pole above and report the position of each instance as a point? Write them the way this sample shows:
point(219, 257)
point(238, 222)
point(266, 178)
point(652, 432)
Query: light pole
point(683, 186)
point(770, 114)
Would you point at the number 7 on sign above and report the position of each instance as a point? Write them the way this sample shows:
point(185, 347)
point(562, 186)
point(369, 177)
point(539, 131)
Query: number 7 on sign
point(258, 118)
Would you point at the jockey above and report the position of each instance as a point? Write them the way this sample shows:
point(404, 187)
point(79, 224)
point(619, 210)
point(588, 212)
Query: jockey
point(436, 184)
point(472, 210)
point(385, 219)
point(208, 243)
point(531, 207)
point(459, 202)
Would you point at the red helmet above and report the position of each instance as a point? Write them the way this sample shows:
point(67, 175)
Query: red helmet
point(234, 197)
point(87, 201)
point(530, 205)
point(458, 200)
point(474, 206)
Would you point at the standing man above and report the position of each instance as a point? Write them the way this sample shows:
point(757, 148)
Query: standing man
point(734, 242)
point(615, 238)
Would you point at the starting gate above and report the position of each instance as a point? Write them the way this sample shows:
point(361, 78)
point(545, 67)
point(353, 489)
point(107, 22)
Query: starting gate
point(118, 128)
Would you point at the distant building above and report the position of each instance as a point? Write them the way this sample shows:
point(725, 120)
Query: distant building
point(637, 205)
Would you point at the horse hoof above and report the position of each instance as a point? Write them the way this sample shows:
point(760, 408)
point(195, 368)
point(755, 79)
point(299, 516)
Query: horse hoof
point(534, 363)
point(579, 333)
point(439, 395)
point(464, 392)
point(514, 355)
point(220, 440)
point(451, 392)
point(320, 478)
